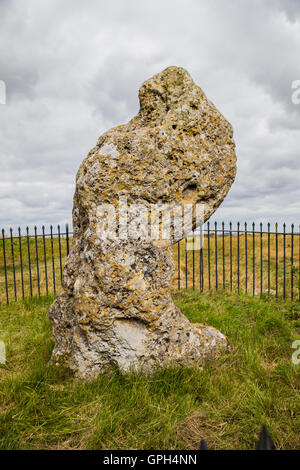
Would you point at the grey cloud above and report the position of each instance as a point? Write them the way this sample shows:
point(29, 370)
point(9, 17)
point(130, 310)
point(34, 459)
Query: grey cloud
point(73, 71)
point(290, 8)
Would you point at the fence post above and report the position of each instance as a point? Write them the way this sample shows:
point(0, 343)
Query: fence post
point(246, 259)
point(230, 232)
point(208, 255)
point(29, 260)
point(5, 268)
point(284, 267)
point(216, 254)
point(186, 263)
point(238, 256)
point(253, 257)
point(299, 262)
point(276, 255)
point(37, 260)
point(13, 262)
point(201, 266)
point(261, 258)
point(59, 250)
point(45, 258)
point(67, 238)
point(223, 250)
point(269, 267)
point(21, 261)
point(193, 260)
point(178, 261)
point(52, 255)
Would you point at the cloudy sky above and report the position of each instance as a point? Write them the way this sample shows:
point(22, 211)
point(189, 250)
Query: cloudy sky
point(72, 70)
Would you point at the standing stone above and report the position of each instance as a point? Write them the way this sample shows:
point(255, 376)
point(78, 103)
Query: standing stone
point(115, 307)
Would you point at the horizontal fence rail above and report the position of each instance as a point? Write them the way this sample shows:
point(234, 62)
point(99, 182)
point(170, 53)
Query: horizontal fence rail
point(239, 258)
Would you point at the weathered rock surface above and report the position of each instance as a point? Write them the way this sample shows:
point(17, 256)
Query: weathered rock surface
point(115, 308)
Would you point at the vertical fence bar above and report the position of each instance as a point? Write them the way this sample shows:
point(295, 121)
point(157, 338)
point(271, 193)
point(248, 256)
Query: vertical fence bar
point(246, 260)
point(269, 263)
point(186, 264)
point(261, 258)
point(59, 249)
point(276, 255)
point(208, 255)
point(253, 258)
point(52, 256)
point(178, 263)
point(13, 262)
point(193, 259)
point(201, 269)
point(238, 256)
point(292, 261)
point(29, 260)
point(45, 259)
point(200, 257)
point(37, 260)
point(299, 262)
point(5, 267)
point(21, 261)
point(284, 262)
point(216, 253)
point(230, 235)
point(223, 253)
point(67, 238)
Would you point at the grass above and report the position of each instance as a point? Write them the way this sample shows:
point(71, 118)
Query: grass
point(43, 407)
point(51, 258)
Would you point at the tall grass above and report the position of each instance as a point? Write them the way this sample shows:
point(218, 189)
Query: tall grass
point(45, 407)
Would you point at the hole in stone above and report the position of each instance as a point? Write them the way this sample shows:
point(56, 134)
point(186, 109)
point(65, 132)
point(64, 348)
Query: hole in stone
point(191, 187)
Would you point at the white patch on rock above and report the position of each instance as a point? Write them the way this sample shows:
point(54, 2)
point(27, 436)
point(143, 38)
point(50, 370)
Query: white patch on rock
point(137, 283)
point(109, 150)
point(131, 337)
point(95, 168)
point(77, 285)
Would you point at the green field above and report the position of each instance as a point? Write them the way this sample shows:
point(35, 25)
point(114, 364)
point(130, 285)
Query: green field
point(43, 407)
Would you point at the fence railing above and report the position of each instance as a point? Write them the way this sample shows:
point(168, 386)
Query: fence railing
point(239, 259)
point(32, 264)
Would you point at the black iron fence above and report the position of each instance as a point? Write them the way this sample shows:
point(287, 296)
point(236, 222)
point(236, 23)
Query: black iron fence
point(240, 259)
point(32, 263)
